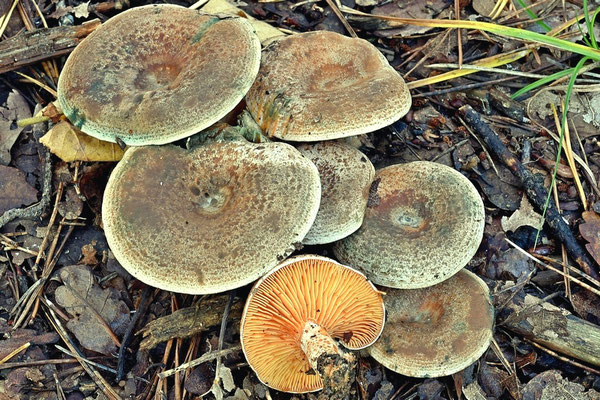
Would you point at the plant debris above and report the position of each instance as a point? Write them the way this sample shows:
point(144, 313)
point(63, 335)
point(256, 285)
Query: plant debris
point(75, 325)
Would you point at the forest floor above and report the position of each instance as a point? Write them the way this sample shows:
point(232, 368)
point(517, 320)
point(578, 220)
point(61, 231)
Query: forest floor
point(93, 340)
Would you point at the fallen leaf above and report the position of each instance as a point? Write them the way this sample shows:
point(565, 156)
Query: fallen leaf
point(16, 108)
point(524, 216)
point(410, 9)
point(89, 254)
point(78, 296)
point(14, 189)
point(484, 7)
point(226, 378)
point(590, 230)
point(201, 379)
point(587, 305)
point(474, 392)
point(72, 206)
point(82, 10)
point(70, 144)
point(53, 111)
point(550, 385)
point(502, 191)
point(265, 32)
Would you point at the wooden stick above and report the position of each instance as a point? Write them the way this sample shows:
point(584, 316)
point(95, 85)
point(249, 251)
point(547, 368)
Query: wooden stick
point(556, 329)
point(535, 190)
point(188, 321)
point(42, 44)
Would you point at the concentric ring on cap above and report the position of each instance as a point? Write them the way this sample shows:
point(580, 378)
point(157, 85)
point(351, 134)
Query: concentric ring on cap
point(322, 85)
point(424, 222)
point(211, 219)
point(438, 330)
point(158, 73)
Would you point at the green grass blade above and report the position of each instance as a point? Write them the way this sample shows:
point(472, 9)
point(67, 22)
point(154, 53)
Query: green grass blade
point(534, 16)
point(589, 22)
point(542, 81)
point(574, 74)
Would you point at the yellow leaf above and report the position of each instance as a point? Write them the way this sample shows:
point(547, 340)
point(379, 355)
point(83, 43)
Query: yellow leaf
point(70, 144)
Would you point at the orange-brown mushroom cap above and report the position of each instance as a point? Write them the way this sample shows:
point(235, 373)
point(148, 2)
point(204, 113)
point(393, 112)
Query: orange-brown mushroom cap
point(158, 73)
point(306, 288)
point(424, 222)
point(322, 85)
point(209, 219)
point(346, 176)
point(436, 331)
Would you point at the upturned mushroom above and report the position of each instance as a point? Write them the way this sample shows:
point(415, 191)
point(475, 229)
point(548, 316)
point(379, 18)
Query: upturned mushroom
point(209, 219)
point(293, 315)
point(346, 175)
point(424, 222)
point(322, 85)
point(438, 330)
point(158, 73)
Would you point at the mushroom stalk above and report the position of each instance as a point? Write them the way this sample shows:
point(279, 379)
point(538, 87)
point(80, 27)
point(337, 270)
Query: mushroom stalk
point(334, 364)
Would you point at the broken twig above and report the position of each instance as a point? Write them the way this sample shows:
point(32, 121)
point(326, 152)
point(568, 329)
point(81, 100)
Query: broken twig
point(535, 190)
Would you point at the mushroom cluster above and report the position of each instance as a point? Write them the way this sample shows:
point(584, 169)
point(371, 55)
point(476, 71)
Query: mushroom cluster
point(226, 211)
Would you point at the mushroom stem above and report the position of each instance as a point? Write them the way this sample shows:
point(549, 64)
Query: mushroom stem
point(334, 364)
point(252, 131)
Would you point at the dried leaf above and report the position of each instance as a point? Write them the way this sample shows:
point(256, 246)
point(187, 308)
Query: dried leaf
point(265, 32)
point(53, 111)
point(410, 9)
point(524, 216)
point(81, 11)
point(201, 379)
point(590, 230)
point(14, 189)
point(16, 108)
point(70, 144)
point(502, 190)
point(550, 385)
point(226, 378)
point(79, 295)
point(474, 392)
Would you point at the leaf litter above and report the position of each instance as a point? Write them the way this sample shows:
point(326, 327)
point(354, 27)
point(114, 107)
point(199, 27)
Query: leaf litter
point(515, 369)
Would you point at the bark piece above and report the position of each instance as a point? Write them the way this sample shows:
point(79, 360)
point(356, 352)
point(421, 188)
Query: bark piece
point(188, 321)
point(555, 328)
point(42, 44)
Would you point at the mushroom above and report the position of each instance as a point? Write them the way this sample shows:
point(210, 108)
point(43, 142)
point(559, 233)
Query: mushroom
point(321, 85)
point(292, 316)
point(346, 175)
point(424, 222)
point(158, 73)
point(436, 331)
point(209, 219)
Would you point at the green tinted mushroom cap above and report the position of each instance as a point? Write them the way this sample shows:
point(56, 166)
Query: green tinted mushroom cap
point(424, 222)
point(158, 73)
point(322, 85)
point(436, 331)
point(209, 219)
point(346, 175)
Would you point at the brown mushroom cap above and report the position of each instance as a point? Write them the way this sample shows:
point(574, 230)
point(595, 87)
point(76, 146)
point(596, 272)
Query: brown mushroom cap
point(346, 176)
point(436, 331)
point(210, 219)
point(158, 73)
point(424, 222)
point(306, 288)
point(321, 85)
